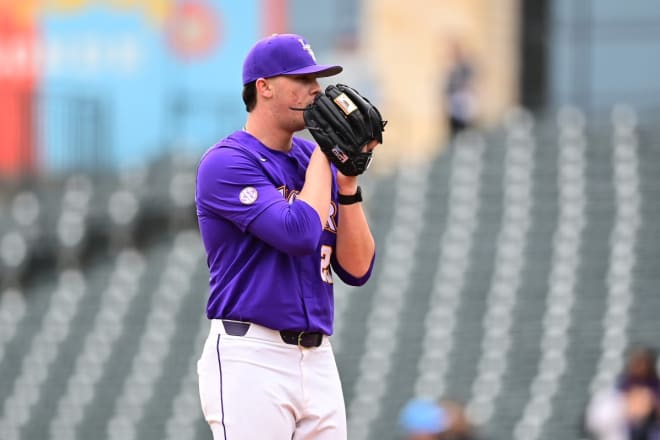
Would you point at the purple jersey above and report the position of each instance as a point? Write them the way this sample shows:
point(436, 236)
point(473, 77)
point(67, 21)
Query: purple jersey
point(269, 259)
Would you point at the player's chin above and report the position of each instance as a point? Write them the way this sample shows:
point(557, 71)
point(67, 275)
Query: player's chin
point(294, 125)
point(297, 123)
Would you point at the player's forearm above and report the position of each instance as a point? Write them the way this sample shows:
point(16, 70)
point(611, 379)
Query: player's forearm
point(318, 184)
point(355, 244)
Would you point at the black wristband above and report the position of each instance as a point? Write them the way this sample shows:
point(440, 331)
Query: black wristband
point(349, 200)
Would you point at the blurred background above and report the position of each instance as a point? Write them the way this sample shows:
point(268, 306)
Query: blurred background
point(515, 203)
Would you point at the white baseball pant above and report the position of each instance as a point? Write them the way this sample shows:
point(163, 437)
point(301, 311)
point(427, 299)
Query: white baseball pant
point(258, 387)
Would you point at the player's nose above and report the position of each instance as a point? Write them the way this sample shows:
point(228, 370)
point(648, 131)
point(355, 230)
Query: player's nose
point(316, 87)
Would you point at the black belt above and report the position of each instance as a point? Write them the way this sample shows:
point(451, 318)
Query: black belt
point(303, 339)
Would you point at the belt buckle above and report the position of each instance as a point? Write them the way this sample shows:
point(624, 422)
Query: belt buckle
point(300, 336)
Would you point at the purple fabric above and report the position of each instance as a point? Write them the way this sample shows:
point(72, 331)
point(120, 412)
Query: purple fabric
point(265, 249)
point(625, 383)
point(347, 277)
point(649, 427)
point(300, 231)
point(283, 54)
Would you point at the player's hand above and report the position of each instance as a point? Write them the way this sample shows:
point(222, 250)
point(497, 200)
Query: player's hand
point(348, 184)
point(370, 146)
point(639, 402)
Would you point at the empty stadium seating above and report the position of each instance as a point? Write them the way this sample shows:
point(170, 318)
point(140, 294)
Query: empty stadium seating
point(513, 270)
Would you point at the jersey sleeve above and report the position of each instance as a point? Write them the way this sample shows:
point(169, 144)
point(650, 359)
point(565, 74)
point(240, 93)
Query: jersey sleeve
point(347, 277)
point(231, 184)
point(294, 229)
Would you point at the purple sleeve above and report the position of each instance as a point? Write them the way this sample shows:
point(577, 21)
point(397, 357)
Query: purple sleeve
point(347, 277)
point(231, 184)
point(294, 229)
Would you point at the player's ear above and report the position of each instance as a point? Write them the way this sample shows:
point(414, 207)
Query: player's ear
point(264, 87)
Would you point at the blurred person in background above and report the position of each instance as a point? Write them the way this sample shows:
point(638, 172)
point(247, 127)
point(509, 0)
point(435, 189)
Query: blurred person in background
point(422, 419)
point(460, 95)
point(427, 419)
point(630, 410)
point(459, 427)
point(276, 220)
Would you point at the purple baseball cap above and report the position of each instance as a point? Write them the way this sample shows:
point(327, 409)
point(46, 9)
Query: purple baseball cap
point(283, 54)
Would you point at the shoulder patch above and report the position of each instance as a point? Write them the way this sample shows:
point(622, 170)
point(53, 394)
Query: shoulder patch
point(248, 195)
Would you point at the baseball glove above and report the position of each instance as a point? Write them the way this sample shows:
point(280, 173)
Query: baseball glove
point(342, 122)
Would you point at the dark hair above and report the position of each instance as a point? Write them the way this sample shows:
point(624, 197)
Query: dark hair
point(640, 368)
point(250, 96)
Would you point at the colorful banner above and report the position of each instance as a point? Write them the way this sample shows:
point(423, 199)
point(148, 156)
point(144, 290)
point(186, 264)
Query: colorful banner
point(18, 72)
point(88, 83)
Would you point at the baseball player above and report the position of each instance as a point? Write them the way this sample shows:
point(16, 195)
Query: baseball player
point(277, 219)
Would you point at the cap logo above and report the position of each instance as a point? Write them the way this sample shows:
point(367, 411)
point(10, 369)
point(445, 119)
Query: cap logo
point(345, 104)
point(306, 47)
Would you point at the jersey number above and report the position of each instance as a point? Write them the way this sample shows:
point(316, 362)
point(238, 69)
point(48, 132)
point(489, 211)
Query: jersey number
point(326, 273)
